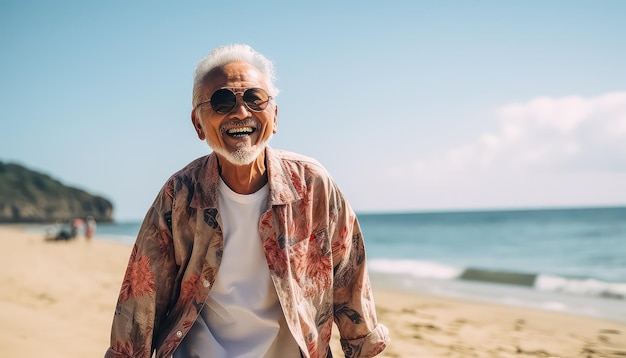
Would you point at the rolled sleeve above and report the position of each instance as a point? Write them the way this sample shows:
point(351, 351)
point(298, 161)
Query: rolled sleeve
point(368, 346)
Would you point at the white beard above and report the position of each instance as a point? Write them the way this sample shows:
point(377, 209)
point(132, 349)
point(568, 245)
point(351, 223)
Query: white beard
point(241, 156)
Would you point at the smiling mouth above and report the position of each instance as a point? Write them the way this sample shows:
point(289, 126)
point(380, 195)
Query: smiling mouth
point(239, 132)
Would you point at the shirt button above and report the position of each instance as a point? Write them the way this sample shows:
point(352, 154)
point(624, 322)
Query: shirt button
point(179, 334)
point(206, 283)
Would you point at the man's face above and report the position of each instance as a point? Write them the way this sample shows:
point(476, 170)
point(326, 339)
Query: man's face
point(240, 135)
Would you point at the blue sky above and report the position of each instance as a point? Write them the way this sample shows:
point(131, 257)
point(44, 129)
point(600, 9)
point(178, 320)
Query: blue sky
point(411, 105)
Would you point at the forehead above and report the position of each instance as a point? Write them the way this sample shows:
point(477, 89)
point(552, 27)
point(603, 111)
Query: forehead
point(233, 74)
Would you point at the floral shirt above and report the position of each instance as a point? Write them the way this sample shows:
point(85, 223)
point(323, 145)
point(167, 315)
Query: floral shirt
point(313, 246)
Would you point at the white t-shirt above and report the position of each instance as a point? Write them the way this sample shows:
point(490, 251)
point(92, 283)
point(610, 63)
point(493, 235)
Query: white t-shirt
point(242, 317)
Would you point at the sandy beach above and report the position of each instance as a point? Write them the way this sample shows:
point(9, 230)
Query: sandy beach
point(57, 300)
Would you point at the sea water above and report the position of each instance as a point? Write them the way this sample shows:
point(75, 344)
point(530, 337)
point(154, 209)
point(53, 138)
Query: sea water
point(569, 260)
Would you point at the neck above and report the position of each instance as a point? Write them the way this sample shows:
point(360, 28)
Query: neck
point(244, 179)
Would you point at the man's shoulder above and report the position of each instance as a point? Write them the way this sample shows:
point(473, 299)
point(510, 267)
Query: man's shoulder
point(299, 160)
point(192, 168)
point(287, 156)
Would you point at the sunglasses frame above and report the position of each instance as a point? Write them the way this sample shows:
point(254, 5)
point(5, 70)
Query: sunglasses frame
point(241, 91)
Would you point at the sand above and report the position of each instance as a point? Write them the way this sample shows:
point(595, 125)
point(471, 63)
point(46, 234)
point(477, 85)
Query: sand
point(57, 300)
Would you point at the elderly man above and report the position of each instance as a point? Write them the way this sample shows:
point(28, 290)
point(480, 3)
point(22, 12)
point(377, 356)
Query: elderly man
point(249, 251)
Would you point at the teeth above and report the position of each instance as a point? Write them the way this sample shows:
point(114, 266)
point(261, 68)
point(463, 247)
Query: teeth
point(240, 130)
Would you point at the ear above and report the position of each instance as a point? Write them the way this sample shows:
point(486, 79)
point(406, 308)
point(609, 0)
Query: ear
point(275, 130)
point(197, 125)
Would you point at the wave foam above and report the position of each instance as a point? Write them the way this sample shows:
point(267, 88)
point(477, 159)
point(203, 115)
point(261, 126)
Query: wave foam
point(419, 269)
point(586, 287)
point(541, 282)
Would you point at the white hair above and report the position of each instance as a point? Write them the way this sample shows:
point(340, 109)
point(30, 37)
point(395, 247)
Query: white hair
point(232, 53)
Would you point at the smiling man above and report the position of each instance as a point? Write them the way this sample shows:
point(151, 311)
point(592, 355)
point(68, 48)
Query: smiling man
point(249, 251)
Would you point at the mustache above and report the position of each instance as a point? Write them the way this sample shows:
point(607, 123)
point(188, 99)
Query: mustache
point(247, 122)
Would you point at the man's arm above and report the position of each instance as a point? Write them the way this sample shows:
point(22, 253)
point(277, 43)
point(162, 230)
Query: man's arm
point(146, 286)
point(354, 308)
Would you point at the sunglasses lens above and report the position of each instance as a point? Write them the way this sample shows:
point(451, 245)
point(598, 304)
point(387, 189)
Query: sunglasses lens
point(256, 99)
point(223, 101)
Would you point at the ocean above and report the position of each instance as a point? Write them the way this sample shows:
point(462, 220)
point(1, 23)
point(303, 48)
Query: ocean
point(566, 260)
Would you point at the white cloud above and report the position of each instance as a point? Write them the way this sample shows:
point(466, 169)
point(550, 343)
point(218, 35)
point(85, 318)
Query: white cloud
point(556, 148)
point(551, 134)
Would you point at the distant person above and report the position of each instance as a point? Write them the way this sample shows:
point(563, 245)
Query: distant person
point(90, 229)
point(77, 227)
point(249, 251)
point(65, 231)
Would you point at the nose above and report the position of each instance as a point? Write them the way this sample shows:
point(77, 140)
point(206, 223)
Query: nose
point(240, 111)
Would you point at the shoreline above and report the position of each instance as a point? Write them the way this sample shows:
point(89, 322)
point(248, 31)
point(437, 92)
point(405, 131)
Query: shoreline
point(59, 298)
point(509, 295)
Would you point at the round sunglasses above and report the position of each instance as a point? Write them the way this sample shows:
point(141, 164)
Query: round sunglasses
point(224, 99)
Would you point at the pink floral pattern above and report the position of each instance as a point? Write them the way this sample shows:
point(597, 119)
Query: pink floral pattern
point(139, 279)
point(312, 243)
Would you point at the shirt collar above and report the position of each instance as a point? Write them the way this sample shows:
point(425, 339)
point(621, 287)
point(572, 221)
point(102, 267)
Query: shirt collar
point(281, 182)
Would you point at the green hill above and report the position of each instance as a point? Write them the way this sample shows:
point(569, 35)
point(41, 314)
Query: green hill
point(29, 196)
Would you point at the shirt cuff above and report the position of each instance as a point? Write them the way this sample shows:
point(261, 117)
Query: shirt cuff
point(368, 346)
